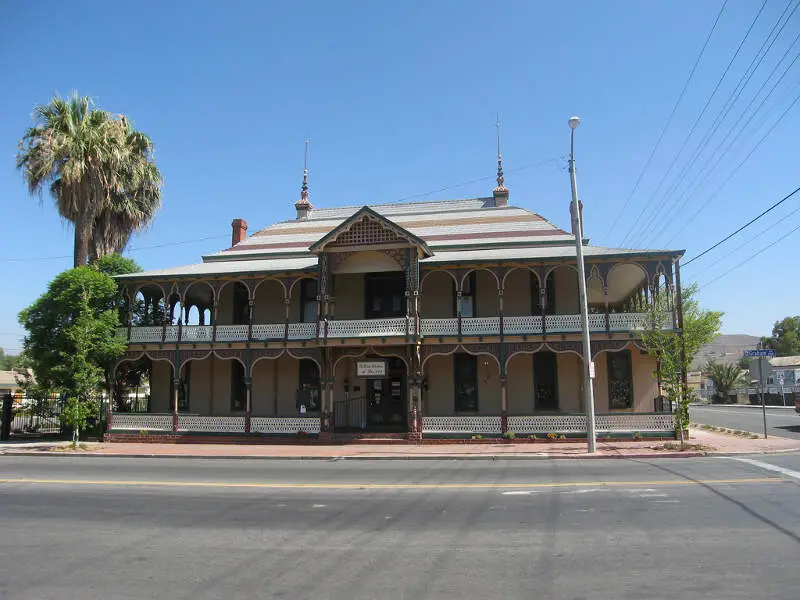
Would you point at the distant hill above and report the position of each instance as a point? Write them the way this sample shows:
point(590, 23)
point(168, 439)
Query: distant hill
point(727, 348)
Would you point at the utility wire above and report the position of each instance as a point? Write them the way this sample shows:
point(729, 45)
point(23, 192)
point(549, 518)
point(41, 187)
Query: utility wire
point(752, 256)
point(704, 173)
point(743, 227)
point(694, 126)
point(664, 206)
point(669, 119)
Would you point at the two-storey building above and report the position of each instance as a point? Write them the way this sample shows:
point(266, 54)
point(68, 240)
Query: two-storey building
point(456, 317)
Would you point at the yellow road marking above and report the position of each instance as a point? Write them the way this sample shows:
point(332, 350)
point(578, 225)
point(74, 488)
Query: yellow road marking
point(386, 486)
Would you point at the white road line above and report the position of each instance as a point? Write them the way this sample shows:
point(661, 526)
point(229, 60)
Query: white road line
point(652, 495)
point(666, 501)
point(767, 466)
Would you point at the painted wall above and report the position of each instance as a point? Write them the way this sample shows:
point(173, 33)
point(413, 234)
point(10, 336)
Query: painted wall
point(520, 390)
point(264, 390)
point(517, 294)
point(160, 401)
point(349, 296)
point(487, 298)
point(200, 392)
point(570, 382)
point(221, 403)
point(225, 306)
point(269, 307)
point(439, 399)
point(370, 261)
point(645, 384)
point(489, 389)
point(288, 380)
point(437, 297)
point(567, 296)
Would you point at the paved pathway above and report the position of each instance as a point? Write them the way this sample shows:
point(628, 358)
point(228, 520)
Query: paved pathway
point(782, 422)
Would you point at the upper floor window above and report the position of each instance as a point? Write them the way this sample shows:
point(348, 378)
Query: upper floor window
point(469, 306)
point(549, 295)
point(241, 304)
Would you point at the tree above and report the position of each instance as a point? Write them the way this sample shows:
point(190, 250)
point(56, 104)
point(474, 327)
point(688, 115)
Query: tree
point(675, 352)
point(8, 362)
point(725, 377)
point(97, 168)
point(785, 339)
point(71, 342)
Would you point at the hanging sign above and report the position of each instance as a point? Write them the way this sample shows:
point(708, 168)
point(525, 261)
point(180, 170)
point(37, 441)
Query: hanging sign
point(371, 368)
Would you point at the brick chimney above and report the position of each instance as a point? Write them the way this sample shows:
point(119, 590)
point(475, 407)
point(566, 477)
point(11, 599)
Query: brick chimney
point(572, 216)
point(239, 227)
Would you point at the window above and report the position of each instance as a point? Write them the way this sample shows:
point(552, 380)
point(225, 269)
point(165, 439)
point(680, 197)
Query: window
point(238, 387)
point(620, 380)
point(308, 387)
point(241, 304)
point(183, 390)
point(550, 295)
point(465, 369)
point(308, 293)
point(384, 295)
point(468, 300)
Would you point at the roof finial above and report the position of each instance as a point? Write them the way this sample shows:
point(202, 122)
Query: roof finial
point(500, 178)
point(303, 205)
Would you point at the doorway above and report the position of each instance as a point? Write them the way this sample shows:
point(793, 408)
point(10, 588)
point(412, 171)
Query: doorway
point(545, 380)
point(386, 399)
point(384, 295)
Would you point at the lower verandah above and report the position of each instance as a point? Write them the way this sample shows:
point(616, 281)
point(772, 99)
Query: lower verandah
point(536, 383)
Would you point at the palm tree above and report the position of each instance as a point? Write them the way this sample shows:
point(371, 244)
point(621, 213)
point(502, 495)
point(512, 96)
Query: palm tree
point(128, 210)
point(92, 163)
point(725, 377)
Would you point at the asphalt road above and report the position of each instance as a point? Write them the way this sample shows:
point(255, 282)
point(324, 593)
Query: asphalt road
point(781, 422)
point(88, 527)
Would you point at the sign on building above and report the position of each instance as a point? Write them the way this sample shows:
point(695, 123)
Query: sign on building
point(371, 368)
point(765, 353)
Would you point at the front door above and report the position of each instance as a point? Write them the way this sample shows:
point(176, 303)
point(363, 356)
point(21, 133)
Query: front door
point(545, 381)
point(386, 399)
point(384, 295)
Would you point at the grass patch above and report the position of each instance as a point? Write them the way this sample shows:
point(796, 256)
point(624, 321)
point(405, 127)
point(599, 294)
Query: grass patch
point(676, 446)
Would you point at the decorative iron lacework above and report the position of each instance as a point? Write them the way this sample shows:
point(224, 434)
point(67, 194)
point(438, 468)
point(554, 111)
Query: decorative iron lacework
point(635, 422)
point(439, 327)
point(461, 424)
point(171, 333)
point(302, 331)
point(522, 325)
point(547, 424)
point(211, 424)
point(366, 232)
point(480, 326)
point(269, 331)
point(597, 322)
point(141, 422)
point(629, 321)
point(231, 333)
point(604, 423)
point(369, 328)
point(146, 334)
point(288, 425)
point(197, 333)
point(566, 323)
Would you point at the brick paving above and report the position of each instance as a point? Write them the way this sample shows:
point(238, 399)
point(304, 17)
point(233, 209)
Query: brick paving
point(709, 443)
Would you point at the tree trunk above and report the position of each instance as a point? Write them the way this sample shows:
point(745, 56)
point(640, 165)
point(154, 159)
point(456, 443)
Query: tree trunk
point(81, 253)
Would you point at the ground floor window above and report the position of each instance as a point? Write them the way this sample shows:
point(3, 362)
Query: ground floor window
point(238, 387)
point(465, 369)
point(545, 381)
point(620, 380)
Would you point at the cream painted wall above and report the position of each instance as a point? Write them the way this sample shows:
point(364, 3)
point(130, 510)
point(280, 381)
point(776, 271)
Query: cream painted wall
point(269, 307)
point(368, 262)
point(264, 389)
point(225, 305)
point(221, 403)
point(288, 380)
point(200, 386)
point(295, 301)
point(645, 384)
point(570, 382)
point(601, 383)
point(566, 282)
point(160, 401)
point(439, 399)
point(517, 294)
point(487, 298)
point(349, 296)
point(520, 390)
point(437, 297)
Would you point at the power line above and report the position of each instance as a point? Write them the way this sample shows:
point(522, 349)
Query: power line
point(664, 207)
point(694, 126)
point(752, 256)
point(669, 119)
point(704, 173)
point(743, 227)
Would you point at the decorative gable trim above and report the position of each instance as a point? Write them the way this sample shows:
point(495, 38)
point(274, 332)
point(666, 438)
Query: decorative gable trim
point(367, 228)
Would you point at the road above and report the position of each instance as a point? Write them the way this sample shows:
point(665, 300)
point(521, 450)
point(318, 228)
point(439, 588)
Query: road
point(91, 527)
point(781, 422)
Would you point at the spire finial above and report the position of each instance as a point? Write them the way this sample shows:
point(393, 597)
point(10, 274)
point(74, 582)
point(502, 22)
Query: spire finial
point(303, 205)
point(500, 178)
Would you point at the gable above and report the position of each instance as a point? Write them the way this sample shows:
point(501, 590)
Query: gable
point(368, 229)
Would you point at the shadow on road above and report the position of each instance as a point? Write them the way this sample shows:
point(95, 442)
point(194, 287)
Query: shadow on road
point(741, 505)
point(792, 428)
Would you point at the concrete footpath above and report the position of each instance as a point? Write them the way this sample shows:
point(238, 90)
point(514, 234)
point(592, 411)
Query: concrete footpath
point(701, 443)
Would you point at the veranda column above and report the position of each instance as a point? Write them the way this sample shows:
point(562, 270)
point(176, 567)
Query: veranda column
point(110, 411)
point(248, 385)
point(543, 304)
point(504, 402)
point(250, 303)
point(605, 301)
point(214, 311)
point(176, 385)
point(458, 306)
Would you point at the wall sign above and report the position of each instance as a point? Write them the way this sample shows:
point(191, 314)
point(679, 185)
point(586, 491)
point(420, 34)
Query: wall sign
point(371, 368)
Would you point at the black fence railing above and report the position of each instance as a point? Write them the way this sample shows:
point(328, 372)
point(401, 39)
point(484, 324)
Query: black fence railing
point(350, 414)
point(41, 417)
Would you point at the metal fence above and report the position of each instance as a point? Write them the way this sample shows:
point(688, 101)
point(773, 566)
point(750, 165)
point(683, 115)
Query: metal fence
point(40, 417)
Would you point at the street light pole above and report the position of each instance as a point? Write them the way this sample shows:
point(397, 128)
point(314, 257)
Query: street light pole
point(577, 227)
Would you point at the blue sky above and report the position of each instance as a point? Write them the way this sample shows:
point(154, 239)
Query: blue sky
point(399, 100)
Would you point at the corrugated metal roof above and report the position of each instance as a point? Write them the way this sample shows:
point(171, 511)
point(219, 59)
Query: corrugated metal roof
point(229, 267)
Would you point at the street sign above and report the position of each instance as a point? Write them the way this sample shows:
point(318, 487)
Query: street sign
point(767, 353)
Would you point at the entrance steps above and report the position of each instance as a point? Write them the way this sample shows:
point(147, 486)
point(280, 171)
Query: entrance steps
point(371, 438)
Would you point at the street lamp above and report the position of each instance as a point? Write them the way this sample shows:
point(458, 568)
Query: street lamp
point(577, 228)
